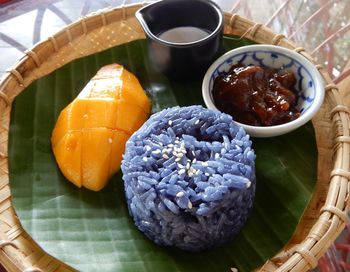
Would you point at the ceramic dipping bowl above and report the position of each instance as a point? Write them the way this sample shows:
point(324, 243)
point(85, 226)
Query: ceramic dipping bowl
point(309, 82)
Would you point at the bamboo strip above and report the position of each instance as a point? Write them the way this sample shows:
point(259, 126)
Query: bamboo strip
point(318, 227)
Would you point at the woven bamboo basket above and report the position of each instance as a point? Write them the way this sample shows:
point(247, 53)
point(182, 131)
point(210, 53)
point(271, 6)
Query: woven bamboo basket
point(326, 214)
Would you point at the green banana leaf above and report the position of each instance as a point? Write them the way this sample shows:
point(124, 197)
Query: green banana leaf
point(93, 231)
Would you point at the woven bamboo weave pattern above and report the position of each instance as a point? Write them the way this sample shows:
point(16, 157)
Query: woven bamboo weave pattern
point(326, 215)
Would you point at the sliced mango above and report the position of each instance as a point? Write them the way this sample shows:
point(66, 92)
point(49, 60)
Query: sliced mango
point(127, 117)
point(96, 155)
point(68, 155)
point(118, 146)
point(90, 133)
point(61, 128)
point(132, 93)
point(106, 117)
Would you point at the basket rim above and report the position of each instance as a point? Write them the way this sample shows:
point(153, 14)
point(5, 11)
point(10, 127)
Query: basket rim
point(301, 256)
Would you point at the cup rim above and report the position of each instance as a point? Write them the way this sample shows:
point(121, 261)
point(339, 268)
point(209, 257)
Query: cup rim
point(260, 131)
point(217, 30)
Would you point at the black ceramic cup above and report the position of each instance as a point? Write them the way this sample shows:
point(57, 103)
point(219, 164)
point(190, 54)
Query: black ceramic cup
point(184, 36)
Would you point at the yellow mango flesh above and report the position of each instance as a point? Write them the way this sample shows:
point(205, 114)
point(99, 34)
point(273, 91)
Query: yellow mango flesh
point(68, 156)
point(96, 154)
point(90, 133)
point(118, 145)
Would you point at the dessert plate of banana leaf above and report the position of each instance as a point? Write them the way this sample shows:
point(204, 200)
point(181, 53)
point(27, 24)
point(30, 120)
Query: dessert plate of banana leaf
point(93, 230)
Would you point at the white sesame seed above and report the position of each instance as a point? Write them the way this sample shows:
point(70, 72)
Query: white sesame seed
point(157, 151)
point(164, 150)
point(170, 145)
point(165, 156)
point(197, 172)
point(191, 172)
point(180, 165)
point(177, 141)
point(188, 166)
point(223, 150)
point(234, 269)
point(189, 205)
point(110, 140)
point(170, 122)
point(180, 194)
point(178, 159)
point(179, 155)
point(205, 164)
point(182, 171)
point(194, 154)
point(197, 122)
point(85, 115)
point(207, 174)
point(217, 155)
point(144, 159)
point(194, 160)
point(148, 148)
point(249, 183)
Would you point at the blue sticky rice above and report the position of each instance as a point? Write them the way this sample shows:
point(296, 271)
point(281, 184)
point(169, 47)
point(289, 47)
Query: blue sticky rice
point(189, 177)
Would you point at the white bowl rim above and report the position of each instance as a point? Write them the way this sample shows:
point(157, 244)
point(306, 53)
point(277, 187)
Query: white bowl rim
point(277, 129)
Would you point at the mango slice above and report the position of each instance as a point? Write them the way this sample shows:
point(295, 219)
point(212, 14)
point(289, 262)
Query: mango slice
point(89, 137)
point(68, 156)
point(96, 154)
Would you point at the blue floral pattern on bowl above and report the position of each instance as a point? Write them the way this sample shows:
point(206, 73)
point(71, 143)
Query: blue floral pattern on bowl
point(305, 85)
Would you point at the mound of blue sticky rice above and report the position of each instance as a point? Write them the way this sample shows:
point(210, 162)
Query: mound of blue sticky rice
point(189, 178)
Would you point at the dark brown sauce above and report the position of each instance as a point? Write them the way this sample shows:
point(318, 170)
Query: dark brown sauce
point(257, 96)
